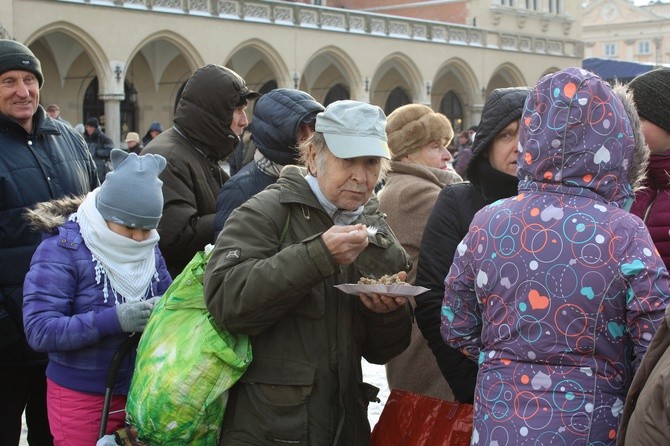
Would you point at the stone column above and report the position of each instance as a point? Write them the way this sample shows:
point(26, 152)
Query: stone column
point(113, 116)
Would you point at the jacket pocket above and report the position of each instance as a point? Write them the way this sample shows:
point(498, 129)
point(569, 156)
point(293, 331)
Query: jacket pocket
point(272, 401)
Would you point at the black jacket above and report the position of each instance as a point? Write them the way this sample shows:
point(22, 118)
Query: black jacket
point(100, 146)
point(449, 222)
point(274, 129)
point(200, 137)
point(51, 162)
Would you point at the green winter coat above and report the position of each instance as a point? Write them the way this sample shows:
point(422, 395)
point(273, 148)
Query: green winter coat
point(304, 385)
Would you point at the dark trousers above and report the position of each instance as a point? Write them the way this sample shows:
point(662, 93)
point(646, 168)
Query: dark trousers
point(24, 387)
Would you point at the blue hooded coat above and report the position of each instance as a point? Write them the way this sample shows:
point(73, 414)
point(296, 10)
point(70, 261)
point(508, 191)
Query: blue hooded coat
point(274, 131)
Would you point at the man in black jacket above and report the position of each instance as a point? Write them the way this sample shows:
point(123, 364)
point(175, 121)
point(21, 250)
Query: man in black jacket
point(42, 159)
point(100, 146)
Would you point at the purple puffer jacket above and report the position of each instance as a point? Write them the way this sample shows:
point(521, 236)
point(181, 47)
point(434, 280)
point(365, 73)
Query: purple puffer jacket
point(64, 311)
point(557, 292)
point(652, 204)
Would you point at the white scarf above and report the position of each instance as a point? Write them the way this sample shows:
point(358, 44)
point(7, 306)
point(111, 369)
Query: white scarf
point(340, 217)
point(129, 265)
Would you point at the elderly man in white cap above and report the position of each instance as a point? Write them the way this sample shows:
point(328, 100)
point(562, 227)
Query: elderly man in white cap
point(272, 275)
point(42, 159)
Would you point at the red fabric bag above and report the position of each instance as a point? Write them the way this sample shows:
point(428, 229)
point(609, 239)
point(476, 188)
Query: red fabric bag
point(409, 419)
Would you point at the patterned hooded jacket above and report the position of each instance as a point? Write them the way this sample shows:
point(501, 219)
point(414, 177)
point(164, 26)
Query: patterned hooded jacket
point(558, 291)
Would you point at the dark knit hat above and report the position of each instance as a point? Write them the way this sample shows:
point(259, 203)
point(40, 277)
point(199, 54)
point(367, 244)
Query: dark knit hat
point(651, 94)
point(92, 122)
point(16, 56)
point(412, 126)
point(132, 194)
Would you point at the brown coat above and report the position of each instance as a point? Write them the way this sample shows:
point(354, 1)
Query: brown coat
point(200, 138)
point(647, 409)
point(407, 198)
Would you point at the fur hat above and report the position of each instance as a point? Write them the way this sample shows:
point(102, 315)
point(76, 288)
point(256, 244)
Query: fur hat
point(651, 93)
point(412, 126)
point(16, 56)
point(133, 136)
point(132, 193)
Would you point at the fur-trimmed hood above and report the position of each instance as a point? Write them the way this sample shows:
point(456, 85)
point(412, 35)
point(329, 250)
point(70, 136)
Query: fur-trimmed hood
point(49, 215)
point(579, 135)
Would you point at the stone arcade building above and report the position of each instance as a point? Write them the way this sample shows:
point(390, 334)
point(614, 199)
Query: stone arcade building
point(126, 61)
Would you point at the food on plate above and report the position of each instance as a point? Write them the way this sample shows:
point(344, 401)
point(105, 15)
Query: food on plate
point(383, 280)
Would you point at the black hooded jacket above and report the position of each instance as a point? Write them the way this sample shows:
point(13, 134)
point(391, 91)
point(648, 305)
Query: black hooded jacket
point(200, 137)
point(100, 146)
point(449, 222)
point(274, 130)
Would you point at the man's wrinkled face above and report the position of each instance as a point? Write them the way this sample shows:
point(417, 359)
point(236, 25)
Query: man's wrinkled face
point(19, 96)
point(348, 183)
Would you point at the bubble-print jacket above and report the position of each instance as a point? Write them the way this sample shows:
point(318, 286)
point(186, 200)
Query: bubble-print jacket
point(558, 291)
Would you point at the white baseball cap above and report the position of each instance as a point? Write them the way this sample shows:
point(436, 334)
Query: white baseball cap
point(353, 128)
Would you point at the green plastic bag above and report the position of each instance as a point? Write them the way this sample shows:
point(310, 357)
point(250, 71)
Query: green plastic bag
point(185, 366)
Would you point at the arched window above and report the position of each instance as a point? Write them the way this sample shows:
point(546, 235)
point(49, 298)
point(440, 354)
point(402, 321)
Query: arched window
point(95, 108)
point(269, 85)
point(452, 108)
point(338, 92)
point(397, 98)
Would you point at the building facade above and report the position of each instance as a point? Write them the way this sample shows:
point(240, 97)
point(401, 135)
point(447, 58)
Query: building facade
point(126, 61)
point(619, 30)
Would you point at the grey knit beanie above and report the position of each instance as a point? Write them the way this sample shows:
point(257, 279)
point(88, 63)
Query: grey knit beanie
point(651, 94)
point(132, 193)
point(16, 56)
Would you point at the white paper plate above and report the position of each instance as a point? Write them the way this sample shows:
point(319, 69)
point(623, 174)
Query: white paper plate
point(397, 289)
